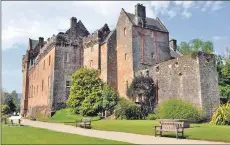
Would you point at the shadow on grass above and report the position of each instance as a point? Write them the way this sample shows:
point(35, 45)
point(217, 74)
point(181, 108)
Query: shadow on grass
point(174, 136)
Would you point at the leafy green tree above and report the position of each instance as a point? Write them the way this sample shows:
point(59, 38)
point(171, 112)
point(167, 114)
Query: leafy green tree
point(110, 98)
point(196, 45)
point(16, 101)
point(224, 79)
point(143, 88)
point(88, 93)
point(8, 100)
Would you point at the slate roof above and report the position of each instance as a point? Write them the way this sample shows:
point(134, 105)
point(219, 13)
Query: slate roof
point(151, 23)
point(109, 35)
point(176, 53)
point(33, 43)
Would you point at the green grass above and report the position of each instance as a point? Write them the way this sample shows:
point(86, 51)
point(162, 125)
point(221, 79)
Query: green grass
point(64, 116)
point(31, 135)
point(146, 127)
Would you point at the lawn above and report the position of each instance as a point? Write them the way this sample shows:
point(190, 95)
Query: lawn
point(145, 127)
point(64, 116)
point(197, 131)
point(31, 135)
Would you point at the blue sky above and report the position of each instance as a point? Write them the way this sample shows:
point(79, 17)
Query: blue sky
point(185, 20)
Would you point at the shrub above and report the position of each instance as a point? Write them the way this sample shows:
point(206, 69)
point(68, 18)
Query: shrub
point(85, 92)
point(5, 109)
point(89, 95)
point(222, 115)
point(179, 109)
point(152, 117)
point(126, 109)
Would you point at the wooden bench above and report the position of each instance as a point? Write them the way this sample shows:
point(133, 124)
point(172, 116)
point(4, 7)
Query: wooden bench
point(170, 126)
point(18, 118)
point(85, 122)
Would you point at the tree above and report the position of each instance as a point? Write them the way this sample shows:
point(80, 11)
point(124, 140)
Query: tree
point(16, 101)
point(196, 45)
point(86, 93)
point(110, 98)
point(11, 100)
point(224, 79)
point(143, 88)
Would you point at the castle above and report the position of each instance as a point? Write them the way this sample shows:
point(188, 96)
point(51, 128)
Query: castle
point(137, 46)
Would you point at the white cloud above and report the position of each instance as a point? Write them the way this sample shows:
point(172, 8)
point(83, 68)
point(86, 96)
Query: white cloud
point(24, 19)
point(217, 5)
point(212, 5)
point(184, 4)
point(217, 38)
point(186, 14)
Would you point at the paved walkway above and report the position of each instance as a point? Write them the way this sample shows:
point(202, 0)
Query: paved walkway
point(118, 136)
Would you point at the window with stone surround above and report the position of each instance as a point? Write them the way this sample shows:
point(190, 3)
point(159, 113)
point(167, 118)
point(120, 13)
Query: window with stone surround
point(125, 56)
point(44, 64)
point(125, 31)
point(42, 85)
point(49, 59)
point(68, 84)
point(91, 63)
point(66, 57)
point(48, 82)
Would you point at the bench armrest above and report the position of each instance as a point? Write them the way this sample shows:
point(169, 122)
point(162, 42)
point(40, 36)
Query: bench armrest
point(157, 126)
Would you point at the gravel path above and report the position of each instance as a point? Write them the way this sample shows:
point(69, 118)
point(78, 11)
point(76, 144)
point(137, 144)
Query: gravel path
point(118, 136)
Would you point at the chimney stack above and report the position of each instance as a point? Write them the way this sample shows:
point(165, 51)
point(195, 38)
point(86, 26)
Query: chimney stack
point(140, 14)
point(41, 41)
point(73, 22)
point(173, 44)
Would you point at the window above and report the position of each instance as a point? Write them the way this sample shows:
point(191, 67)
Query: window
point(147, 73)
point(66, 57)
point(125, 56)
point(127, 84)
point(42, 85)
point(125, 31)
point(44, 63)
point(152, 34)
point(32, 92)
point(48, 82)
point(68, 84)
point(49, 59)
point(152, 55)
point(92, 49)
point(91, 63)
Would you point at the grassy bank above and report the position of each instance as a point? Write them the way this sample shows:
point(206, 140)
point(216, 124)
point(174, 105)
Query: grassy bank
point(31, 135)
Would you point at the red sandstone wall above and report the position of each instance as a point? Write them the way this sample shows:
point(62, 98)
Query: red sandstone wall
point(39, 74)
point(91, 54)
point(124, 49)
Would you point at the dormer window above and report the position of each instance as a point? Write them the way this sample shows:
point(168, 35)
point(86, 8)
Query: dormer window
point(125, 31)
